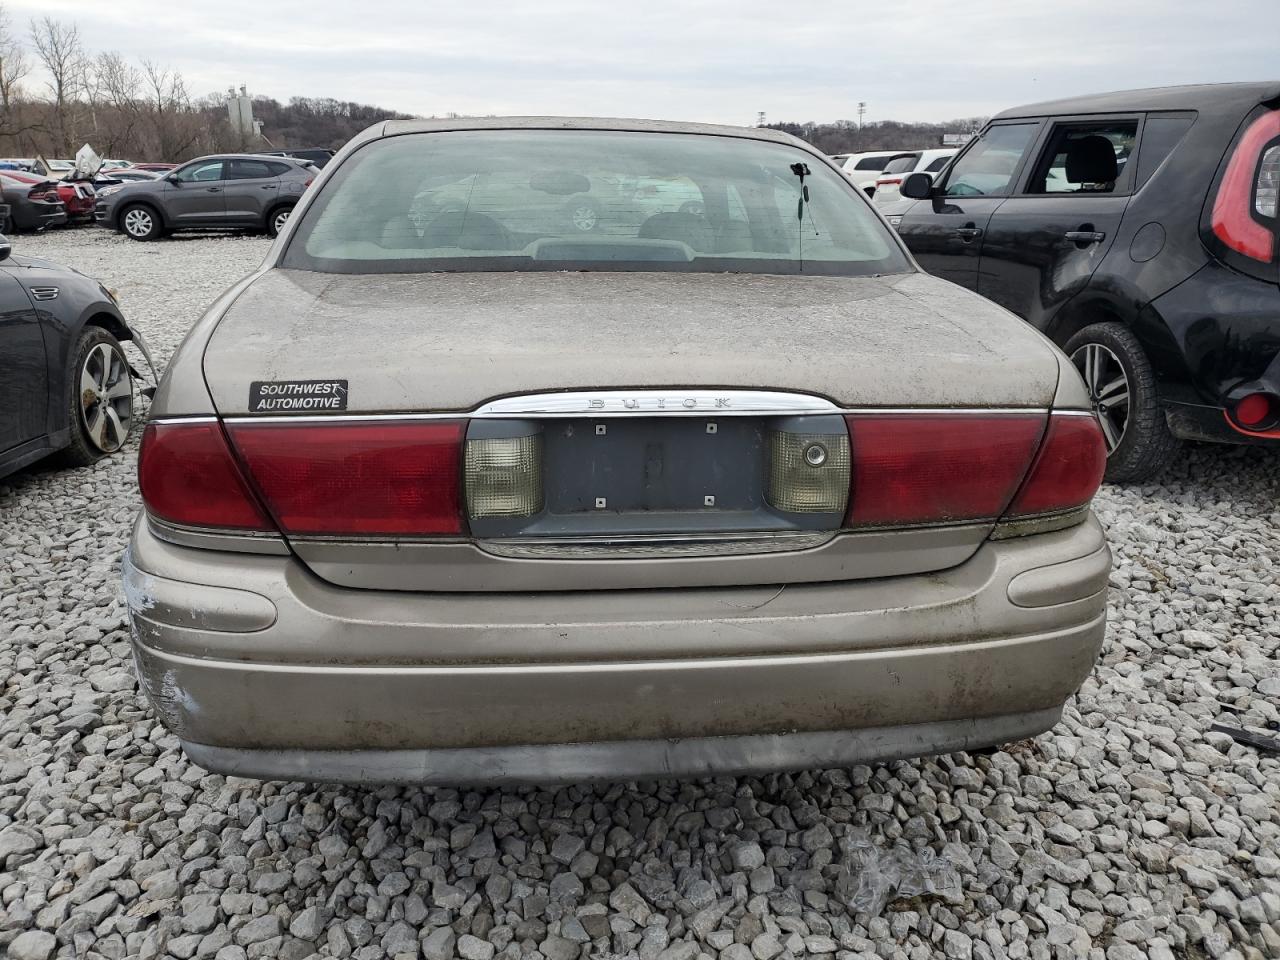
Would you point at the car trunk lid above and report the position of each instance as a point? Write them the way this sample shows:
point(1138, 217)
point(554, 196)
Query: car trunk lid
point(655, 404)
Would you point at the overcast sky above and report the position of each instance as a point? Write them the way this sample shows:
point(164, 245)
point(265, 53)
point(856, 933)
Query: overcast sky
point(715, 60)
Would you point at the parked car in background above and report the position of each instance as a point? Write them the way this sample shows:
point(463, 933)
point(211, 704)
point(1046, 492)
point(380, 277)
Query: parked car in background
point(317, 155)
point(240, 191)
point(1141, 231)
point(155, 167)
point(930, 162)
point(116, 164)
point(67, 386)
point(78, 197)
point(390, 535)
point(864, 168)
point(114, 178)
point(31, 206)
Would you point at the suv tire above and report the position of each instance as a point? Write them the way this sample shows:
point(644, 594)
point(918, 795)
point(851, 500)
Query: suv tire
point(98, 400)
point(141, 222)
point(1122, 388)
point(277, 217)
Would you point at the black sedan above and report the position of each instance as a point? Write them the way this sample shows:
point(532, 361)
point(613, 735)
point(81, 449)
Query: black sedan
point(67, 386)
point(32, 206)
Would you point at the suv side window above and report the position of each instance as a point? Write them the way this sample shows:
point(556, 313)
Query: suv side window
point(987, 167)
point(1085, 158)
point(253, 170)
point(201, 172)
point(1160, 135)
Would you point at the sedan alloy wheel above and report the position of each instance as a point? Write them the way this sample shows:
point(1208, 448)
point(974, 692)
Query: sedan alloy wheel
point(1108, 389)
point(106, 397)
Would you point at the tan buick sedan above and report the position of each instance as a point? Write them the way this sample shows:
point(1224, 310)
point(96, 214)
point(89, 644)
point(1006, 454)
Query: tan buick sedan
point(464, 485)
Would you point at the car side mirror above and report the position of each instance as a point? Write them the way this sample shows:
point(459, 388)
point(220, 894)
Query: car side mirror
point(6, 247)
point(173, 178)
point(917, 186)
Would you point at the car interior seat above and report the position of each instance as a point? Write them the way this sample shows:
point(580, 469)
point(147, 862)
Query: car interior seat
point(686, 228)
point(1091, 163)
point(466, 231)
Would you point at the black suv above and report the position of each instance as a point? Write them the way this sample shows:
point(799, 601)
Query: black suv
point(1141, 232)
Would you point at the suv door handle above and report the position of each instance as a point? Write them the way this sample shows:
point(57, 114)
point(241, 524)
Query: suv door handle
point(213, 189)
point(969, 232)
point(1085, 236)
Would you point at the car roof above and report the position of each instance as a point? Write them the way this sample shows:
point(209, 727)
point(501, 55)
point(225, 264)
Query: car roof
point(1189, 97)
point(396, 127)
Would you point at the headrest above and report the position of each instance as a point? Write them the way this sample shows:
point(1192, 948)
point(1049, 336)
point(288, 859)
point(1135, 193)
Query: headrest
point(687, 228)
point(1091, 159)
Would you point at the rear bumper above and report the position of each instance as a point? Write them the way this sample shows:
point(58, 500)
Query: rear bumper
point(1209, 424)
point(264, 670)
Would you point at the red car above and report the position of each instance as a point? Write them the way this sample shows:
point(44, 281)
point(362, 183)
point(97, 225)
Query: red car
point(78, 197)
point(155, 167)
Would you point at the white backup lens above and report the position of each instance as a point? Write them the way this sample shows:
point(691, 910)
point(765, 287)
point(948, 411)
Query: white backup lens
point(808, 473)
point(503, 476)
point(1267, 192)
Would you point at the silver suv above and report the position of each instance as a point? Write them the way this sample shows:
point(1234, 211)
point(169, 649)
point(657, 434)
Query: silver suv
point(240, 191)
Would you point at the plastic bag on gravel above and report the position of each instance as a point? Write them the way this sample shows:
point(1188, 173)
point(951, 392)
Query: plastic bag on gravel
point(870, 876)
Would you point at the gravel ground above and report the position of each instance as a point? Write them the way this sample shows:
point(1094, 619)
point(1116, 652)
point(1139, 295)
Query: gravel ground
point(1129, 831)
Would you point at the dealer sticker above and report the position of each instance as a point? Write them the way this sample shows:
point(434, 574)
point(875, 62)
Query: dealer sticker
point(297, 396)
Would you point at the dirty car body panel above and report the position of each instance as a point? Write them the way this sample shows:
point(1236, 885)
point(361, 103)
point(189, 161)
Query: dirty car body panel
point(723, 487)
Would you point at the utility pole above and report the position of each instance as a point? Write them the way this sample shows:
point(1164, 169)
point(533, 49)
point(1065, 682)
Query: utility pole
point(862, 110)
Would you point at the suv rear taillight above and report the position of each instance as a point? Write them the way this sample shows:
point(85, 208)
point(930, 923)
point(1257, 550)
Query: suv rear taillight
point(188, 476)
point(377, 478)
point(1244, 214)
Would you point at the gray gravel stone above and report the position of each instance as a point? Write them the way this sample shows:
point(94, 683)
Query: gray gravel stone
point(439, 944)
point(32, 945)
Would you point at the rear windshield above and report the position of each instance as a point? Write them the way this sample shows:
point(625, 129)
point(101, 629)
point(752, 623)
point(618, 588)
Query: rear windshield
point(588, 200)
point(901, 165)
point(873, 163)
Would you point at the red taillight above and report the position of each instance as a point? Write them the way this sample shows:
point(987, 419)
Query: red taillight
point(357, 477)
point(1068, 469)
point(188, 476)
point(937, 468)
point(309, 181)
point(1233, 218)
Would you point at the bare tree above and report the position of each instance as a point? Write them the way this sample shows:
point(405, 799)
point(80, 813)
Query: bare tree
point(14, 67)
point(58, 48)
point(177, 128)
point(112, 90)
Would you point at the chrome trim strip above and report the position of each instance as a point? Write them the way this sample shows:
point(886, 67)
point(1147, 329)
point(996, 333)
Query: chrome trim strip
point(633, 547)
point(676, 402)
point(248, 541)
point(479, 414)
point(200, 419)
